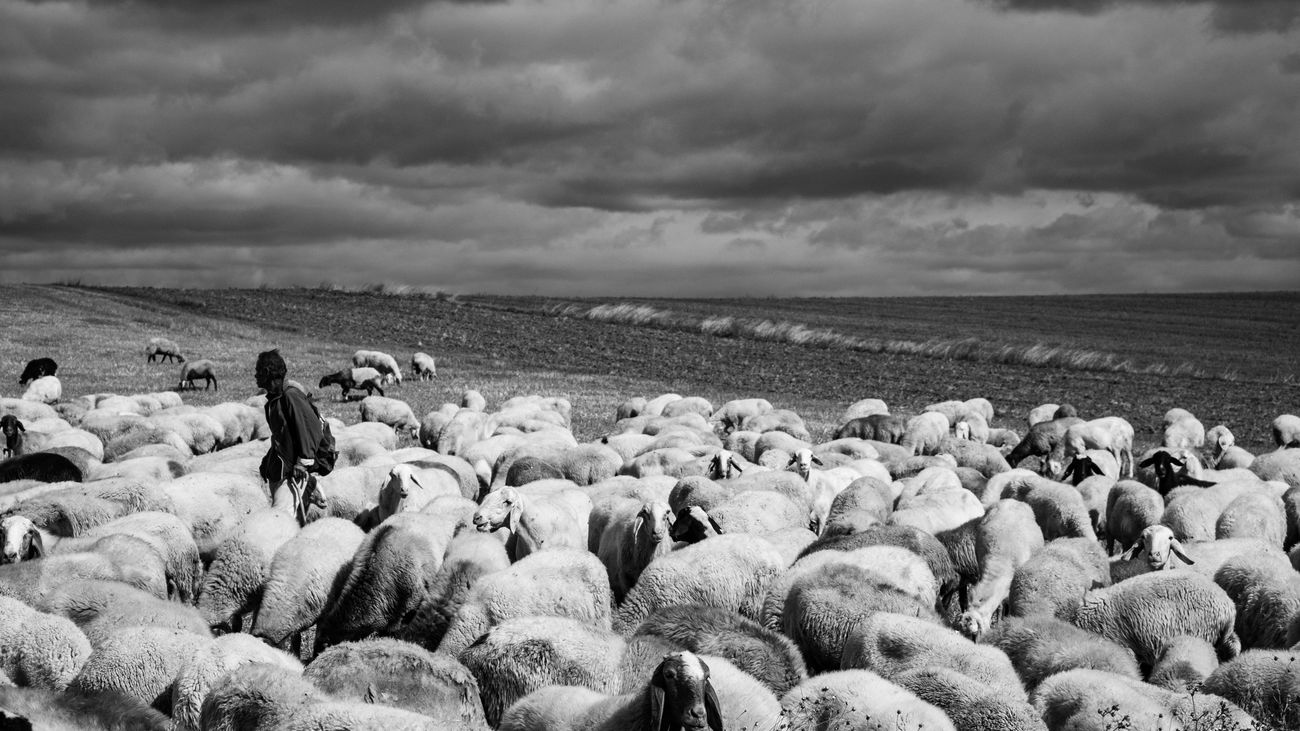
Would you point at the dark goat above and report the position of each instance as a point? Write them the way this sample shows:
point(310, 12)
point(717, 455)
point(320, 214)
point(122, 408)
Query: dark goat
point(1167, 477)
point(886, 428)
point(1043, 438)
point(13, 430)
point(38, 368)
point(40, 466)
point(343, 379)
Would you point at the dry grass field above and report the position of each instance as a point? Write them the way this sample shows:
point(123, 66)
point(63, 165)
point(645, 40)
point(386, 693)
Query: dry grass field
point(1231, 359)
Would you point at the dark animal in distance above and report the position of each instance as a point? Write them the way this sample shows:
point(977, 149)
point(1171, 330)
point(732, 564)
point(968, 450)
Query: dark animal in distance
point(343, 379)
point(38, 368)
point(191, 372)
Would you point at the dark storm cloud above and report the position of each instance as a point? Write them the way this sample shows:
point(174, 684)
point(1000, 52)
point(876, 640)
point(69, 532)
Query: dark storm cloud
point(1233, 16)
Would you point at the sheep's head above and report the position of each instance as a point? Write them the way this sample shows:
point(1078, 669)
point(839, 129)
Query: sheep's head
point(21, 540)
point(802, 461)
point(682, 697)
point(1159, 542)
point(972, 624)
point(402, 492)
point(1081, 468)
point(962, 430)
point(722, 464)
point(499, 508)
point(693, 525)
point(654, 522)
point(10, 426)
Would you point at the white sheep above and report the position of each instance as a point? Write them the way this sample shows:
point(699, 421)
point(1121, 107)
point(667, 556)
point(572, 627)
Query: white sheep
point(1005, 539)
point(380, 361)
point(423, 365)
point(1265, 683)
point(1182, 430)
point(390, 411)
point(163, 350)
point(1286, 431)
point(536, 521)
point(636, 534)
point(859, 699)
point(226, 654)
point(140, 663)
point(925, 432)
point(1110, 433)
point(233, 582)
point(39, 650)
point(195, 370)
point(44, 390)
point(729, 416)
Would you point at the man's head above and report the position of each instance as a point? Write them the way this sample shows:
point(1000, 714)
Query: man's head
point(270, 369)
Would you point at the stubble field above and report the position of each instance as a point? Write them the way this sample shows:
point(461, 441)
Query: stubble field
point(1231, 359)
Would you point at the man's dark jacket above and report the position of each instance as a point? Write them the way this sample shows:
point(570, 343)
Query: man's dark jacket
point(295, 433)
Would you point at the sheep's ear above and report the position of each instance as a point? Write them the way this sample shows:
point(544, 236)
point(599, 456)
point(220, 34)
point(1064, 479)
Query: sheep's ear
point(1149, 460)
point(35, 546)
point(817, 461)
point(736, 465)
point(712, 709)
point(638, 524)
point(1174, 461)
point(416, 480)
point(1178, 551)
point(1132, 552)
point(1091, 469)
point(657, 719)
point(20, 426)
point(794, 459)
point(716, 528)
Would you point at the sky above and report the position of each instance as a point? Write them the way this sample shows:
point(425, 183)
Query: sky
point(654, 147)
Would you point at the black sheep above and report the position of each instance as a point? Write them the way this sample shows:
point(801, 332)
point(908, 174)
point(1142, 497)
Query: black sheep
point(38, 368)
point(13, 431)
point(41, 466)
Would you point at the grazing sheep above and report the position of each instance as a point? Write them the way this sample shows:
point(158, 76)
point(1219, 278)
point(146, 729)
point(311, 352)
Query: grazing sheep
point(163, 350)
point(470, 556)
point(1266, 590)
point(886, 428)
point(1111, 433)
point(423, 365)
point(102, 607)
point(194, 370)
point(536, 521)
point(353, 379)
point(36, 368)
point(223, 655)
point(1131, 508)
point(1055, 578)
point(1281, 466)
point(564, 582)
point(768, 656)
point(935, 555)
point(969, 704)
point(1286, 431)
point(1183, 664)
point(859, 699)
point(306, 570)
point(38, 649)
point(391, 411)
point(729, 572)
point(1265, 683)
point(1004, 540)
point(925, 432)
point(1146, 610)
point(636, 534)
point(890, 644)
point(387, 577)
point(1182, 430)
point(1059, 509)
point(1089, 700)
point(31, 581)
point(44, 390)
point(401, 675)
point(1042, 646)
point(380, 361)
point(1043, 439)
point(233, 582)
point(141, 663)
point(1253, 515)
point(688, 405)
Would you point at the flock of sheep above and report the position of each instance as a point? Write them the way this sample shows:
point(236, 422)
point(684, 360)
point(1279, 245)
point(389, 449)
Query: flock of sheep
point(695, 567)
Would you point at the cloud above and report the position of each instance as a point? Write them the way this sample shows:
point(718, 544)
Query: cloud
point(1231, 16)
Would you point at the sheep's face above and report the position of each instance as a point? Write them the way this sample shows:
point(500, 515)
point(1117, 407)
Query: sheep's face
point(402, 492)
point(693, 525)
point(496, 509)
point(972, 624)
point(10, 426)
point(962, 430)
point(1161, 547)
point(722, 465)
point(681, 695)
point(21, 540)
point(802, 461)
point(654, 522)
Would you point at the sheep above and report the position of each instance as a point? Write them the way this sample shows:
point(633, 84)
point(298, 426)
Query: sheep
point(1182, 430)
point(44, 390)
point(1110, 433)
point(213, 505)
point(688, 405)
point(353, 379)
point(26, 410)
point(1089, 700)
point(636, 534)
point(265, 696)
point(139, 662)
point(936, 507)
point(1042, 646)
point(536, 521)
point(865, 502)
point(38, 649)
point(423, 365)
point(380, 361)
point(163, 350)
point(968, 703)
point(588, 464)
point(469, 556)
point(40, 466)
point(1145, 610)
point(31, 581)
point(225, 654)
point(729, 572)
point(36, 368)
point(886, 428)
point(890, 644)
point(1266, 591)
point(1043, 439)
point(1280, 466)
point(391, 411)
point(751, 511)
point(859, 699)
point(732, 414)
point(1041, 413)
point(1265, 683)
point(233, 582)
point(80, 711)
point(1059, 509)
point(408, 488)
point(194, 370)
point(305, 571)
point(925, 432)
point(387, 577)
point(1004, 540)
point(1286, 431)
point(563, 582)
point(1183, 664)
point(1253, 515)
point(935, 555)
point(1055, 578)
point(13, 431)
point(400, 675)
point(1090, 463)
point(1131, 508)
point(102, 607)
point(986, 459)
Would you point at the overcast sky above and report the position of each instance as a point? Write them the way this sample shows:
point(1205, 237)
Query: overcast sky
point(654, 147)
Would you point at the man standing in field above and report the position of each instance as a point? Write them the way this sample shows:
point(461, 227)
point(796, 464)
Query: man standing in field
point(295, 435)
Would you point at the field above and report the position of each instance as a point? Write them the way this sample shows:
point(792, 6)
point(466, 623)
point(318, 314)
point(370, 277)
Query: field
point(1229, 358)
